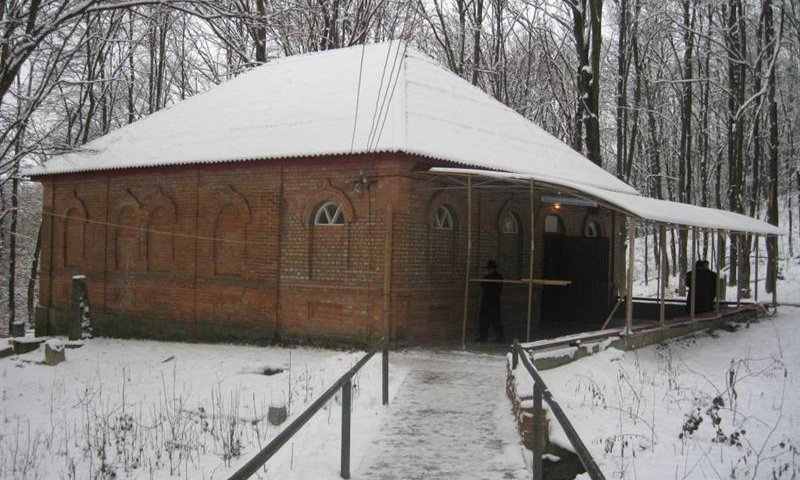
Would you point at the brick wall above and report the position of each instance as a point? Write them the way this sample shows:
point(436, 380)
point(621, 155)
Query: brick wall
point(231, 250)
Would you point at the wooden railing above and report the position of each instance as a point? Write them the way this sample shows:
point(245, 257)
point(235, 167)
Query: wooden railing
point(540, 392)
point(345, 383)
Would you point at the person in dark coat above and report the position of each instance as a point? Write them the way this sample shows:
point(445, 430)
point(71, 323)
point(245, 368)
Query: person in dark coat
point(490, 304)
point(710, 285)
point(705, 288)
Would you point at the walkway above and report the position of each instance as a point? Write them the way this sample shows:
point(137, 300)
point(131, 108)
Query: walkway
point(450, 419)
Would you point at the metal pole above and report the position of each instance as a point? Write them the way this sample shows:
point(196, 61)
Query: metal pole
point(538, 426)
point(387, 273)
point(347, 390)
point(629, 282)
point(530, 266)
point(755, 239)
point(693, 283)
point(469, 257)
point(662, 290)
point(385, 375)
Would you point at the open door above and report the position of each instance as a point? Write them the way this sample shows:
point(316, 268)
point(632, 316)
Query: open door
point(585, 262)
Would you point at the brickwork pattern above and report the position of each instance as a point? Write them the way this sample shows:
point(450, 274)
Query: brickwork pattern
point(233, 249)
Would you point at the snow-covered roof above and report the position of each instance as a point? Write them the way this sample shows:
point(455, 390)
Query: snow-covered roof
point(382, 97)
point(663, 211)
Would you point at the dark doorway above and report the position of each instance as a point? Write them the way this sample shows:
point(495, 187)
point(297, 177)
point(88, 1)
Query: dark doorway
point(585, 302)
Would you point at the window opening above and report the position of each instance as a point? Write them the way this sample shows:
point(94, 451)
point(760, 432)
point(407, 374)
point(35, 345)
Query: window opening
point(510, 224)
point(552, 224)
point(592, 229)
point(443, 218)
point(329, 214)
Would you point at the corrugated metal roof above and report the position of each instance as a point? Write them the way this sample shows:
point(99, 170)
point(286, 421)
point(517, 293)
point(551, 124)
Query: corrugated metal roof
point(306, 106)
point(662, 211)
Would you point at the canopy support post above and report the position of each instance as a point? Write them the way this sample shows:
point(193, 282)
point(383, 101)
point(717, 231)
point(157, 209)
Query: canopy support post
point(662, 288)
point(387, 273)
point(469, 258)
point(629, 280)
point(739, 263)
point(530, 267)
point(693, 284)
point(720, 257)
point(775, 283)
point(755, 240)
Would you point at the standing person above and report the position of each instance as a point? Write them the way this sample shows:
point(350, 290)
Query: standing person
point(490, 304)
point(698, 266)
point(705, 288)
point(710, 285)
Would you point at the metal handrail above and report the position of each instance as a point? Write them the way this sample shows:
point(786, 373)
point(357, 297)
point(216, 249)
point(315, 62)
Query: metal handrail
point(540, 391)
point(345, 383)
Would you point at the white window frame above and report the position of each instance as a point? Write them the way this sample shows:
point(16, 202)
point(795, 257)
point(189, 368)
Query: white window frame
point(329, 214)
point(443, 218)
point(514, 223)
point(548, 226)
point(592, 229)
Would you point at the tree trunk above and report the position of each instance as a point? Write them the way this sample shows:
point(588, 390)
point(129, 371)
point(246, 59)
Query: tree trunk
point(12, 248)
point(34, 275)
point(772, 114)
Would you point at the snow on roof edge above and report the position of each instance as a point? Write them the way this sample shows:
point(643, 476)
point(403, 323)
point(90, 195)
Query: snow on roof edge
point(621, 200)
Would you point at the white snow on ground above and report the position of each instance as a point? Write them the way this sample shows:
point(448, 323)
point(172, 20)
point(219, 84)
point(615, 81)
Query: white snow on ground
point(143, 409)
point(451, 419)
point(721, 405)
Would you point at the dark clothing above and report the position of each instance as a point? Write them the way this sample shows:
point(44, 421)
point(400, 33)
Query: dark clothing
point(706, 288)
point(490, 307)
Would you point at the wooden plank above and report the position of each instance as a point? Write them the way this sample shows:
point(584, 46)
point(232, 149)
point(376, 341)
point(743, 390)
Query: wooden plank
point(469, 257)
point(530, 262)
point(629, 283)
point(525, 281)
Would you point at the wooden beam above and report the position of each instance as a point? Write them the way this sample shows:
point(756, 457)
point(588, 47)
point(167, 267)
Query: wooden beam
point(739, 263)
point(755, 240)
point(469, 258)
point(662, 288)
point(629, 282)
point(525, 281)
point(693, 284)
point(720, 257)
point(530, 264)
point(387, 273)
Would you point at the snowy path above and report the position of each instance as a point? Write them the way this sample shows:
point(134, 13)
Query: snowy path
point(450, 419)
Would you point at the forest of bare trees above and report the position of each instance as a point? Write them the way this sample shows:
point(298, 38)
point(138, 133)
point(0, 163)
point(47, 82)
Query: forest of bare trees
point(689, 100)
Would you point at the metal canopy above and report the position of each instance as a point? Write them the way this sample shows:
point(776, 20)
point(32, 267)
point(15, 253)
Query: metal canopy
point(645, 208)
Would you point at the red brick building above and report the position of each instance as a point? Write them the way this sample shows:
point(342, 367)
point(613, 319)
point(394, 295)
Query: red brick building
point(297, 201)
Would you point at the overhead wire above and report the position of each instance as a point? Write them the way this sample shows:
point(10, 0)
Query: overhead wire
point(151, 230)
point(378, 96)
point(391, 84)
point(391, 96)
point(358, 97)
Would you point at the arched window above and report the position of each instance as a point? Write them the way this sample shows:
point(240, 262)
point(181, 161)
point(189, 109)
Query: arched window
point(329, 213)
point(509, 224)
point(553, 224)
point(443, 218)
point(592, 229)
